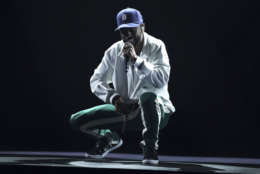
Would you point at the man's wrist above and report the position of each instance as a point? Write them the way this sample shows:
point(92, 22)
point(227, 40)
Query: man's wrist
point(115, 98)
point(139, 62)
point(133, 59)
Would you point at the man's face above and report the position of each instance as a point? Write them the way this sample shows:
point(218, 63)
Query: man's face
point(133, 35)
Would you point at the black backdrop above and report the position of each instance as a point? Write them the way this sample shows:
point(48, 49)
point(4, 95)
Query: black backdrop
point(50, 48)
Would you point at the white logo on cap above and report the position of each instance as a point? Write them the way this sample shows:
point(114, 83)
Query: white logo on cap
point(124, 17)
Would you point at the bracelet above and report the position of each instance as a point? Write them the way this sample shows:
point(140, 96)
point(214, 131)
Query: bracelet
point(115, 99)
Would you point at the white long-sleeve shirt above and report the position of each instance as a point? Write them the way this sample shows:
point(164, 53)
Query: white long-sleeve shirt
point(150, 73)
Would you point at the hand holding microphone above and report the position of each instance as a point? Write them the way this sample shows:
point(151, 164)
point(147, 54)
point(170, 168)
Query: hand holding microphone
point(124, 107)
point(129, 52)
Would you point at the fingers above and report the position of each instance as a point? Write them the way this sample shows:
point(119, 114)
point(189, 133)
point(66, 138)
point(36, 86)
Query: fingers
point(123, 108)
point(128, 50)
point(128, 45)
point(118, 105)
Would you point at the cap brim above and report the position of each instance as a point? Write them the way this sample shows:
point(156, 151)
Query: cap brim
point(129, 25)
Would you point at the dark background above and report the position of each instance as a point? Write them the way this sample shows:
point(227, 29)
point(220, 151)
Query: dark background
point(50, 48)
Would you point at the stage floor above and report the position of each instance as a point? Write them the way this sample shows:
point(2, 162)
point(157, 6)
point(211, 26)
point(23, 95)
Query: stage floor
point(131, 162)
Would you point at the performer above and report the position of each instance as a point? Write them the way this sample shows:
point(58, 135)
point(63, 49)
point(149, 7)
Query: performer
point(132, 79)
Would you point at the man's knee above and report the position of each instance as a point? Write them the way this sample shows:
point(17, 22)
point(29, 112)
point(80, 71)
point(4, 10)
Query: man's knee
point(74, 123)
point(147, 98)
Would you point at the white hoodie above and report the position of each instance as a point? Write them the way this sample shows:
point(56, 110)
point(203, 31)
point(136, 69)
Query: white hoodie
point(150, 73)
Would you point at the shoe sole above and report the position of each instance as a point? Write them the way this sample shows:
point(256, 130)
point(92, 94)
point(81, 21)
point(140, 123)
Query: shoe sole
point(106, 153)
point(150, 161)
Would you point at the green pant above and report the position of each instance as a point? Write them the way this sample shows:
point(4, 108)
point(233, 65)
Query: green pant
point(149, 117)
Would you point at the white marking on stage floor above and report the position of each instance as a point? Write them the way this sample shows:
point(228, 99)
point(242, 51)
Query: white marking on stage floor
point(122, 166)
point(125, 156)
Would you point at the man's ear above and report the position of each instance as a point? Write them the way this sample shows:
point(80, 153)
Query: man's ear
point(143, 27)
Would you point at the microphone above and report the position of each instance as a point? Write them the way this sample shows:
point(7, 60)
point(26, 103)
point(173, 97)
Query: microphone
point(126, 59)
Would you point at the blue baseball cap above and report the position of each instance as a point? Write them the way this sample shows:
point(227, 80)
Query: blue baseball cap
point(128, 18)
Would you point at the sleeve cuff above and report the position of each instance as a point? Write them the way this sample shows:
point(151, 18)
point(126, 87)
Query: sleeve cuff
point(112, 97)
point(143, 66)
point(139, 62)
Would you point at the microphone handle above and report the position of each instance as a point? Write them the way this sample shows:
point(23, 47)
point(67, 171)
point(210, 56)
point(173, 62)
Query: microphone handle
point(126, 61)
